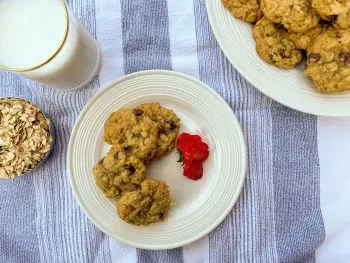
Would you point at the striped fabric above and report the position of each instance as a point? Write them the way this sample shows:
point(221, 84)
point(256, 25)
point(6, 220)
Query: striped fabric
point(278, 215)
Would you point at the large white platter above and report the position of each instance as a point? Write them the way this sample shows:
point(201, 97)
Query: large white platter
point(288, 87)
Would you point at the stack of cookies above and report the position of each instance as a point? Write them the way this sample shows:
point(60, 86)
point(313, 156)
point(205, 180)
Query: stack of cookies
point(137, 136)
point(286, 30)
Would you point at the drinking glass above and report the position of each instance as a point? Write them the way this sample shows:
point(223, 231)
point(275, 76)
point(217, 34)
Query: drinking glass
point(43, 40)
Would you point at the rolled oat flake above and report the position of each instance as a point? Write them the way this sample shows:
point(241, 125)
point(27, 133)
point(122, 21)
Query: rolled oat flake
point(25, 137)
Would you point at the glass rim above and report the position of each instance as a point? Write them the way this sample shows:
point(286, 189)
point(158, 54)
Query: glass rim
point(57, 51)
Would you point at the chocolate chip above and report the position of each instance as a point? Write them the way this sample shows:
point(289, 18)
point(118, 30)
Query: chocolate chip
point(100, 162)
point(131, 169)
point(137, 112)
point(282, 52)
point(344, 56)
point(279, 26)
point(36, 122)
point(325, 23)
point(271, 58)
point(161, 131)
point(116, 156)
point(172, 125)
point(338, 35)
point(332, 18)
point(128, 150)
point(314, 57)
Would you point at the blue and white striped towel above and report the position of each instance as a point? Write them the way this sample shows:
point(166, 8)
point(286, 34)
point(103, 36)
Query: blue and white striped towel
point(293, 208)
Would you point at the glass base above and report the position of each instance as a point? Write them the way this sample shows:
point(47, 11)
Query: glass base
point(94, 72)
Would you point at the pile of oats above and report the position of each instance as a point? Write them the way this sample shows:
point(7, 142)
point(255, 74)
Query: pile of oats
point(25, 137)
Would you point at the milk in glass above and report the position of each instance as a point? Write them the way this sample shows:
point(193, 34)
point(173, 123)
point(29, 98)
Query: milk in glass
point(43, 40)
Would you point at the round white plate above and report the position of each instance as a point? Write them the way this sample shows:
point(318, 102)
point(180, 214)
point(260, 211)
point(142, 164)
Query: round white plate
point(289, 87)
point(199, 206)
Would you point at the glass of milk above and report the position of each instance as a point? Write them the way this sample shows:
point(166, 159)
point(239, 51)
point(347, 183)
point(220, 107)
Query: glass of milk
point(42, 40)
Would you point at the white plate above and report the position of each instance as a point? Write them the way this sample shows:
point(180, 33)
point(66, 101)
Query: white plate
point(199, 206)
point(288, 87)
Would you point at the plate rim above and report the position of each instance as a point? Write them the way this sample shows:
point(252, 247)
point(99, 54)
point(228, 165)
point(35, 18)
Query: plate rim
point(234, 199)
point(304, 109)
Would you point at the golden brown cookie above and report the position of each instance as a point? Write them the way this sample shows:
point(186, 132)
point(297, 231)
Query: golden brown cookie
point(246, 10)
point(117, 173)
point(168, 125)
point(274, 46)
point(134, 131)
point(328, 61)
point(304, 39)
point(146, 206)
point(336, 11)
point(294, 15)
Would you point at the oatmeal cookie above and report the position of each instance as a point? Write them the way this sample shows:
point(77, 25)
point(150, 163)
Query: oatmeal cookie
point(146, 206)
point(304, 39)
point(168, 125)
point(336, 11)
point(246, 10)
point(328, 61)
point(117, 173)
point(134, 131)
point(294, 15)
point(274, 46)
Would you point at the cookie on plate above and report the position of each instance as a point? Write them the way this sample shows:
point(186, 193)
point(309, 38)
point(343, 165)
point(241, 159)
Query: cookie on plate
point(336, 11)
point(328, 61)
point(168, 125)
point(146, 206)
point(304, 39)
point(274, 46)
point(134, 131)
point(294, 15)
point(246, 10)
point(117, 173)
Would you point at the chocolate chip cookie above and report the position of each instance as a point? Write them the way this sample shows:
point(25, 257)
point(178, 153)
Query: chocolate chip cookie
point(274, 46)
point(294, 15)
point(133, 131)
point(304, 39)
point(117, 173)
point(246, 10)
point(328, 61)
point(336, 11)
point(168, 125)
point(146, 206)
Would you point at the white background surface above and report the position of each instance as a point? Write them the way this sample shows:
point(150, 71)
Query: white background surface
point(334, 154)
